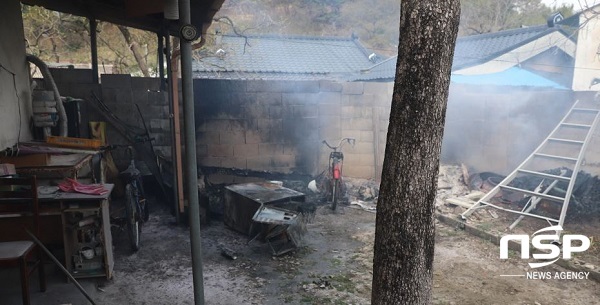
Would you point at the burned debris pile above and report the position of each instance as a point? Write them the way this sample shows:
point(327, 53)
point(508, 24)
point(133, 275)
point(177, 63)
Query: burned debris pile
point(585, 199)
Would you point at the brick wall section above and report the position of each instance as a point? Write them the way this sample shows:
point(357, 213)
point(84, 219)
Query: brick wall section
point(279, 125)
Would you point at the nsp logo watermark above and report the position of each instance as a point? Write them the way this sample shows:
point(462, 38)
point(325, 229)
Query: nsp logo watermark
point(571, 243)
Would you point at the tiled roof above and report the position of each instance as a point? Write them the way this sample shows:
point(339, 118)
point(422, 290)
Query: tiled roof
point(476, 49)
point(385, 70)
point(269, 75)
point(470, 50)
point(284, 57)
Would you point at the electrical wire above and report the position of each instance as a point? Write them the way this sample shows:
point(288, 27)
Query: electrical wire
point(14, 77)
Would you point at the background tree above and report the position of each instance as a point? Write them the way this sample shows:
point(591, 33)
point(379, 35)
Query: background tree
point(485, 16)
point(59, 37)
point(134, 46)
point(377, 26)
point(53, 36)
point(374, 21)
point(62, 38)
point(404, 230)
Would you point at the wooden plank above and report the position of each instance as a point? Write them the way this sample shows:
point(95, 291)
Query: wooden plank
point(67, 160)
point(459, 202)
point(476, 195)
point(32, 160)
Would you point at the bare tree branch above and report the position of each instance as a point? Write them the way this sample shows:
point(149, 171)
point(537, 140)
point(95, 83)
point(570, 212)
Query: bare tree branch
point(228, 21)
point(135, 49)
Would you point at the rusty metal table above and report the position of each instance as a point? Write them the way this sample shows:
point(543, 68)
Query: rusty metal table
point(243, 200)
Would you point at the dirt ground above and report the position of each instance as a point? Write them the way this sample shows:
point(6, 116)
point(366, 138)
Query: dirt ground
point(333, 267)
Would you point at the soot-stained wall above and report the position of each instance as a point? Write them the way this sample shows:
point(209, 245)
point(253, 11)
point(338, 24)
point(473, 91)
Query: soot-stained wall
point(279, 125)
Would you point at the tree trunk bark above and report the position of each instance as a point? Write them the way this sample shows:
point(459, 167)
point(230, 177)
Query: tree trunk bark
point(135, 49)
point(405, 231)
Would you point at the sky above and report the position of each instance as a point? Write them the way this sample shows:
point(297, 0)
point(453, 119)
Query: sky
point(577, 4)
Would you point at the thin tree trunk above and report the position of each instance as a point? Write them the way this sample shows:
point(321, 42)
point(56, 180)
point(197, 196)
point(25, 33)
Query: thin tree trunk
point(404, 234)
point(135, 49)
point(54, 50)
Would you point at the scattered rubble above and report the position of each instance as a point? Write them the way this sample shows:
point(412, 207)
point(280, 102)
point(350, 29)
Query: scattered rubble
point(228, 253)
point(458, 187)
point(364, 205)
point(585, 199)
point(452, 182)
point(362, 193)
point(334, 267)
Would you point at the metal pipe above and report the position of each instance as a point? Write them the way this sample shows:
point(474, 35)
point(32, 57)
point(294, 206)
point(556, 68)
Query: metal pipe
point(375, 118)
point(175, 140)
point(94, 47)
point(176, 121)
point(161, 61)
point(60, 266)
point(190, 154)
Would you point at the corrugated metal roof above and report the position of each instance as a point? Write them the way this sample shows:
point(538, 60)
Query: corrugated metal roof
point(260, 57)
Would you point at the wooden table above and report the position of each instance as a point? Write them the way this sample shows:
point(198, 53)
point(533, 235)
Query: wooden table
point(84, 222)
point(61, 166)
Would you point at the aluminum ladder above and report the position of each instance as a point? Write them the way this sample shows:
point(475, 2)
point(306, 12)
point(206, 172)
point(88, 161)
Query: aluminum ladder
point(572, 134)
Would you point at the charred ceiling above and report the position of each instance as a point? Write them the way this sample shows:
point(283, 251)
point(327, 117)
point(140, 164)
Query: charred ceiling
point(142, 14)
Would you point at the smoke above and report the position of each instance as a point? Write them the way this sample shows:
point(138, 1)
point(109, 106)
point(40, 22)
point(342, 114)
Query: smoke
point(494, 128)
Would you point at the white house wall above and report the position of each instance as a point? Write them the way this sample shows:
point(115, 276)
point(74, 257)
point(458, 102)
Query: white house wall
point(522, 54)
point(587, 60)
point(14, 93)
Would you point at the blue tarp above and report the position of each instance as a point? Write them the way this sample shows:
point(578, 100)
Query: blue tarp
point(512, 77)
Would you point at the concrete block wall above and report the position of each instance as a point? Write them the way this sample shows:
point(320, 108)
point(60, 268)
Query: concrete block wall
point(120, 93)
point(78, 83)
point(278, 126)
point(15, 94)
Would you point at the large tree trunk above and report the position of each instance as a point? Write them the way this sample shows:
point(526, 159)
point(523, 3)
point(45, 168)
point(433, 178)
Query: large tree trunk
point(404, 234)
point(135, 49)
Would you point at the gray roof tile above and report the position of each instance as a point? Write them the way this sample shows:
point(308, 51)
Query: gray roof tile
point(308, 58)
point(476, 49)
point(470, 50)
point(260, 57)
